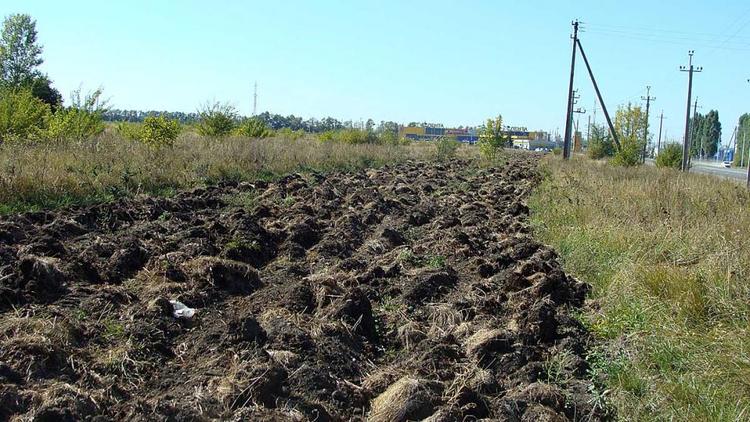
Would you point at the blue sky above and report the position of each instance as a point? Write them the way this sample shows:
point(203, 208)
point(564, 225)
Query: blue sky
point(453, 62)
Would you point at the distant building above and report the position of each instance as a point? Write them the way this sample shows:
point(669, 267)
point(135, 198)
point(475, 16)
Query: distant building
point(520, 136)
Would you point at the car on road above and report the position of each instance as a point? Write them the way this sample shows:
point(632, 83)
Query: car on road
point(727, 164)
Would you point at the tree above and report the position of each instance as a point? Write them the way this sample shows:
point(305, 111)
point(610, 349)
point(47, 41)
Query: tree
point(743, 140)
point(600, 143)
point(630, 125)
point(41, 87)
point(705, 134)
point(492, 138)
point(20, 55)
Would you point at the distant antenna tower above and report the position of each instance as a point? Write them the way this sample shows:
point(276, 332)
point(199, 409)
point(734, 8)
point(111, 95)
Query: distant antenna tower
point(255, 99)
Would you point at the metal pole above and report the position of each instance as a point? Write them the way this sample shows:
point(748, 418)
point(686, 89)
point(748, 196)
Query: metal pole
point(569, 112)
point(599, 95)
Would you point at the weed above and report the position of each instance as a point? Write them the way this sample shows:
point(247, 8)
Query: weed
point(436, 261)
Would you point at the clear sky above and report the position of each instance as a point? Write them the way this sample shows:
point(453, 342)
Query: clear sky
point(451, 62)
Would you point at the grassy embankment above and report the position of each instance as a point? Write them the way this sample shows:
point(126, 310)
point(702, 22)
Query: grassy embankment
point(44, 176)
point(668, 256)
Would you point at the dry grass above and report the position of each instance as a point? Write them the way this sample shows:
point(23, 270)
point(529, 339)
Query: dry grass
point(54, 175)
point(668, 256)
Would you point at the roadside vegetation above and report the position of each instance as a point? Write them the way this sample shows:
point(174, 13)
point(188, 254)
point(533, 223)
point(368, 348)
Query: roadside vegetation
point(668, 256)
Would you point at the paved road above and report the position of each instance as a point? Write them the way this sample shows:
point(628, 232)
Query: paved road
point(716, 168)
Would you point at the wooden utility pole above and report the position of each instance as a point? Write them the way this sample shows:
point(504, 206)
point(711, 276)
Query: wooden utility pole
point(569, 110)
point(686, 142)
point(648, 100)
point(599, 96)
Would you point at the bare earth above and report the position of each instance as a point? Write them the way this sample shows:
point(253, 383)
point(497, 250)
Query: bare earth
point(401, 293)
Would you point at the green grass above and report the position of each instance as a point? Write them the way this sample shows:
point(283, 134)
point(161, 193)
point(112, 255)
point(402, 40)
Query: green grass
point(668, 256)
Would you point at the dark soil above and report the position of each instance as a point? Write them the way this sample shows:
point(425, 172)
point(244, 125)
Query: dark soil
point(405, 292)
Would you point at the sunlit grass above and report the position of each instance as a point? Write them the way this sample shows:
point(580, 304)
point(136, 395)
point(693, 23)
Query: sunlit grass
point(668, 256)
point(46, 176)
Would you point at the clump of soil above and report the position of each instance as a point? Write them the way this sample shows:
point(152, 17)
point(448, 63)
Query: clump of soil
point(400, 293)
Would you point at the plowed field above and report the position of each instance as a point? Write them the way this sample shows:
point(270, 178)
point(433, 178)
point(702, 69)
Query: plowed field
point(400, 293)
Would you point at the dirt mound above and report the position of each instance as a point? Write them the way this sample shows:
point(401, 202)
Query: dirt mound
point(401, 293)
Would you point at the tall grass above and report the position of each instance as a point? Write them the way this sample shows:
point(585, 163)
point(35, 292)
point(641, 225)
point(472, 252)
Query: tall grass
point(41, 176)
point(668, 256)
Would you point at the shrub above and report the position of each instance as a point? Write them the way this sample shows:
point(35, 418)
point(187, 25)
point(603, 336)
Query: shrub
point(629, 154)
point(253, 128)
point(446, 148)
point(22, 116)
point(129, 130)
point(350, 136)
point(216, 119)
point(158, 132)
point(289, 134)
point(81, 121)
point(670, 156)
point(600, 144)
point(557, 151)
point(492, 138)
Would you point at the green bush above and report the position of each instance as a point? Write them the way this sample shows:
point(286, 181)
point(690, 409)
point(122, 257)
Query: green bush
point(158, 132)
point(129, 130)
point(289, 134)
point(216, 120)
point(446, 148)
point(253, 128)
point(629, 154)
point(600, 143)
point(81, 121)
point(556, 151)
point(350, 136)
point(670, 156)
point(23, 117)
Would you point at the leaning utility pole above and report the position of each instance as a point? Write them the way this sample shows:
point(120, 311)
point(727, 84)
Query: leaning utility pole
point(661, 120)
point(569, 111)
point(648, 100)
point(685, 145)
point(612, 131)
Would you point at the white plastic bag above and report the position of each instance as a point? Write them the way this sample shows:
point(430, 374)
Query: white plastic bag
point(180, 310)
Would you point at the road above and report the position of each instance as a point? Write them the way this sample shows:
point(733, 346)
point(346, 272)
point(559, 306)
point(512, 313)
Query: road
point(715, 168)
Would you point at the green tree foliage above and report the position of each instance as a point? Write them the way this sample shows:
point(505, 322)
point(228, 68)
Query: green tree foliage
point(705, 134)
point(158, 132)
point(80, 121)
point(630, 125)
point(253, 128)
point(42, 88)
point(20, 55)
point(217, 119)
point(600, 143)
point(492, 138)
point(22, 116)
point(743, 140)
point(446, 148)
point(670, 156)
